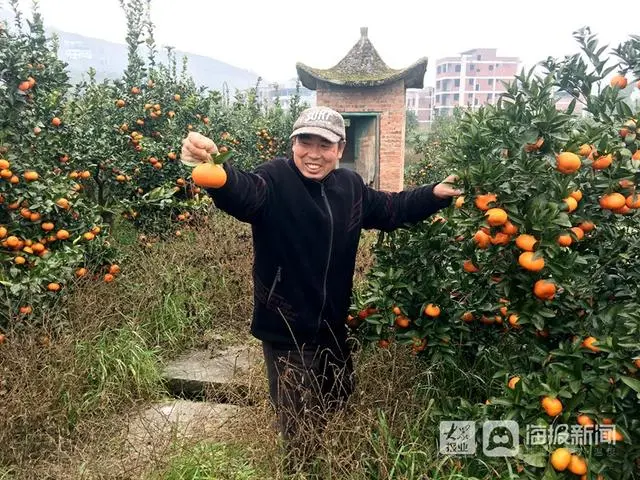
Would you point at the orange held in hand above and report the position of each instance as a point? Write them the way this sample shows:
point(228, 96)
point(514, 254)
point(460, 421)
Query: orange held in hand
point(209, 175)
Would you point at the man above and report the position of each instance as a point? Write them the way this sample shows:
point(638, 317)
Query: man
point(306, 217)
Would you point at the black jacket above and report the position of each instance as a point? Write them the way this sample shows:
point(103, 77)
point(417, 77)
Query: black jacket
point(305, 238)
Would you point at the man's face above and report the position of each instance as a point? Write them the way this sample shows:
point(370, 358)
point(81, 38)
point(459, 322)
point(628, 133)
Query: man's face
point(315, 156)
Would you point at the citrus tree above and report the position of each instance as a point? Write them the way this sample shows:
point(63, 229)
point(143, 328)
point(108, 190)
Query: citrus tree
point(536, 269)
point(48, 230)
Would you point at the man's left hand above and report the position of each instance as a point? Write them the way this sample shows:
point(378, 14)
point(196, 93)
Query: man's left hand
point(446, 188)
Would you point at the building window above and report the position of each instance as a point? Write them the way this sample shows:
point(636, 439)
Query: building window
point(476, 102)
point(491, 68)
point(457, 67)
point(491, 81)
point(437, 98)
point(472, 67)
point(471, 82)
point(477, 86)
point(438, 83)
point(490, 97)
point(479, 57)
point(456, 82)
point(438, 69)
point(456, 97)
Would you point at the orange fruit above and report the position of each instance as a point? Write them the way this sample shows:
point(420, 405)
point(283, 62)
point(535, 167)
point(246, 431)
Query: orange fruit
point(53, 287)
point(63, 203)
point(402, 321)
point(544, 289)
point(560, 459)
point(47, 226)
point(577, 194)
point(459, 201)
point(482, 201)
point(88, 236)
point(30, 176)
point(81, 272)
point(432, 310)
point(625, 182)
point(5, 173)
point(4, 164)
point(20, 260)
point(568, 162)
point(62, 235)
point(513, 320)
point(176, 97)
point(633, 200)
point(469, 267)
point(120, 178)
point(3, 232)
point(565, 240)
point(512, 382)
point(551, 406)
point(13, 242)
point(209, 175)
point(526, 242)
point(26, 310)
point(585, 150)
point(467, 317)
point(509, 228)
point(482, 239)
point(587, 226)
point(496, 217)
point(612, 436)
point(578, 465)
point(95, 230)
point(584, 420)
point(529, 261)
point(532, 147)
point(120, 103)
point(618, 81)
point(571, 203)
point(588, 343)
point(602, 162)
point(578, 232)
point(500, 238)
point(114, 269)
point(55, 121)
point(108, 278)
point(612, 201)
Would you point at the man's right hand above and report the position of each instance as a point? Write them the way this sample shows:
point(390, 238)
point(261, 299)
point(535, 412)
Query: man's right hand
point(197, 148)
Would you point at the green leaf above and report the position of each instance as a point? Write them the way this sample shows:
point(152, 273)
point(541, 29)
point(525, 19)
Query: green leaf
point(632, 382)
point(535, 459)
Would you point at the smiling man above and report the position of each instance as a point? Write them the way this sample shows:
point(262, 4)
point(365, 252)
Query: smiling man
point(306, 217)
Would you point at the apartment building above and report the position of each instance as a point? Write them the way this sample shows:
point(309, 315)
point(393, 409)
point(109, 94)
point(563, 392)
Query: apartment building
point(473, 79)
point(420, 102)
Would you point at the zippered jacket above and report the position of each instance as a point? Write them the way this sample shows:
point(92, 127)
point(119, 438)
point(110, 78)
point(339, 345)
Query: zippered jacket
point(305, 239)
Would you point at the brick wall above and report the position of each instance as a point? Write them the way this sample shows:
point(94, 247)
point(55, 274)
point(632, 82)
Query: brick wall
point(389, 102)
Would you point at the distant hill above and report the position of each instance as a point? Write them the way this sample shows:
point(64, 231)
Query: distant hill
point(110, 60)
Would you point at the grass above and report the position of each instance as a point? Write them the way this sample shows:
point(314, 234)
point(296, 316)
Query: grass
point(71, 380)
point(206, 461)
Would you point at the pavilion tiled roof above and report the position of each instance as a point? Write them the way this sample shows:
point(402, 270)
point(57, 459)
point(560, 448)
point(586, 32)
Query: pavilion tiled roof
point(362, 67)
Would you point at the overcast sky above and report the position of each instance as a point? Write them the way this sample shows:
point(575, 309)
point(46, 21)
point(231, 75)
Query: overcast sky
point(270, 37)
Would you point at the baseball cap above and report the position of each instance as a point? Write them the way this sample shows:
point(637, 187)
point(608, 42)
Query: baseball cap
point(322, 121)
